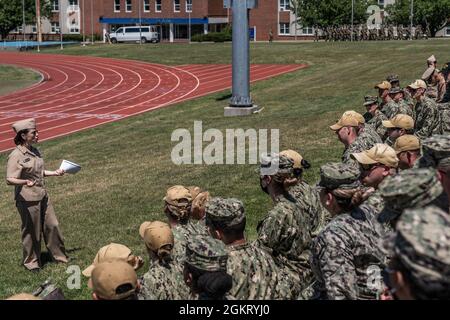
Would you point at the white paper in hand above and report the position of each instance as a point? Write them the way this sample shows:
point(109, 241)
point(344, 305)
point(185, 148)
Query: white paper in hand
point(70, 167)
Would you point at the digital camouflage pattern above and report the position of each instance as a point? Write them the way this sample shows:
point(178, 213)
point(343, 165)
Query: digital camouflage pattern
point(390, 109)
point(427, 120)
point(163, 281)
point(376, 121)
point(255, 274)
point(413, 188)
point(435, 152)
point(370, 134)
point(444, 110)
point(308, 200)
point(359, 145)
point(346, 254)
point(422, 245)
point(285, 232)
point(347, 250)
point(405, 108)
point(206, 253)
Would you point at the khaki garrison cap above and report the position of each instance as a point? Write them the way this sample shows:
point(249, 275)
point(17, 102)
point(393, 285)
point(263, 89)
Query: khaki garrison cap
point(24, 124)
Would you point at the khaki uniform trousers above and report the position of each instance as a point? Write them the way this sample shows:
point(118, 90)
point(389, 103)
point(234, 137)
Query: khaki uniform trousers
point(38, 218)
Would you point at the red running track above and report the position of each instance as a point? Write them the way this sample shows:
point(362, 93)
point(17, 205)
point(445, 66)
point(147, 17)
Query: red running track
point(78, 92)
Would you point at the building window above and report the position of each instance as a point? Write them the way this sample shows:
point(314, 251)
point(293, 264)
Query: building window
point(146, 5)
point(447, 31)
point(20, 29)
point(284, 5)
point(34, 29)
point(307, 31)
point(128, 6)
point(176, 6)
point(116, 5)
point(55, 27)
point(55, 5)
point(73, 5)
point(158, 6)
point(188, 5)
point(381, 3)
point(284, 28)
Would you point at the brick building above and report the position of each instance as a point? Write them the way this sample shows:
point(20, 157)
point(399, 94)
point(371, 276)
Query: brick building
point(174, 18)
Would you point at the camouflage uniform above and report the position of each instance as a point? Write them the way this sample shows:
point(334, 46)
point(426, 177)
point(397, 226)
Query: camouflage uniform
point(208, 255)
point(309, 201)
point(362, 143)
point(285, 232)
point(422, 246)
point(426, 118)
point(376, 122)
point(347, 250)
point(255, 274)
point(436, 154)
point(413, 188)
point(390, 109)
point(164, 281)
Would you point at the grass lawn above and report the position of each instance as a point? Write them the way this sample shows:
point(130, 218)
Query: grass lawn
point(127, 165)
point(13, 78)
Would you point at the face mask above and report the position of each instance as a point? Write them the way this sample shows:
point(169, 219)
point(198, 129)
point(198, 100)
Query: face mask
point(263, 188)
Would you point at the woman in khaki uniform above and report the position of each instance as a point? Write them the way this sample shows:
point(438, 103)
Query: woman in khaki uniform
point(25, 171)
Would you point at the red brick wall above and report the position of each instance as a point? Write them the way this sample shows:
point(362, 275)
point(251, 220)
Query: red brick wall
point(265, 18)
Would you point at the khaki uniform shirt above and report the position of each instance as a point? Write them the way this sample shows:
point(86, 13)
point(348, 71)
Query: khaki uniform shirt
point(27, 165)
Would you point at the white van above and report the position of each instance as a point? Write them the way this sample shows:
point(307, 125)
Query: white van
point(147, 34)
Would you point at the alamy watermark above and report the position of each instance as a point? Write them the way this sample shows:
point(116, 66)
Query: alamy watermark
point(231, 146)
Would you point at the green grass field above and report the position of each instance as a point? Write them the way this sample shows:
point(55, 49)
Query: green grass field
point(127, 166)
point(13, 78)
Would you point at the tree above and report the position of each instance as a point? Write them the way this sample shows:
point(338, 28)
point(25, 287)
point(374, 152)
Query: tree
point(433, 14)
point(11, 14)
point(325, 13)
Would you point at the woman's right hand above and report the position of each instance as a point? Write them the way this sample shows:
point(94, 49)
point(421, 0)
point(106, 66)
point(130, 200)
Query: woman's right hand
point(31, 183)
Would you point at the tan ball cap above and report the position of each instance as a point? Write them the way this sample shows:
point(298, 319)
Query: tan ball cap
point(156, 234)
point(385, 85)
point(348, 119)
point(380, 153)
point(108, 276)
point(112, 251)
point(407, 142)
point(402, 121)
point(295, 156)
point(178, 196)
point(418, 84)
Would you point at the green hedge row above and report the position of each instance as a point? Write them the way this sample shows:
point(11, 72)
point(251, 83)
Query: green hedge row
point(213, 36)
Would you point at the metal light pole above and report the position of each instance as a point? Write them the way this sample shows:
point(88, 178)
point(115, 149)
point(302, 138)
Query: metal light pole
point(240, 103)
point(353, 17)
point(296, 19)
point(60, 26)
point(38, 24)
point(412, 17)
point(82, 23)
point(23, 20)
point(140, 21)
point(189, 27)
point(92, 21)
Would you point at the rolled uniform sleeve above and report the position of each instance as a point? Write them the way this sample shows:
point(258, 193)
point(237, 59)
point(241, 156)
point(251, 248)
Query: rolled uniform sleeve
point(13, 168)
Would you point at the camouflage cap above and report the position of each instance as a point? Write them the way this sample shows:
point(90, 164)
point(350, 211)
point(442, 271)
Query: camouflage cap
point(395, 90)
point(422, 245)
point(436, 152)
point(275, 164)
point(392, 78)
point(339, 176)
point(225, 212)
point(370, 100)
point(206, 253)
point(413, 188)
